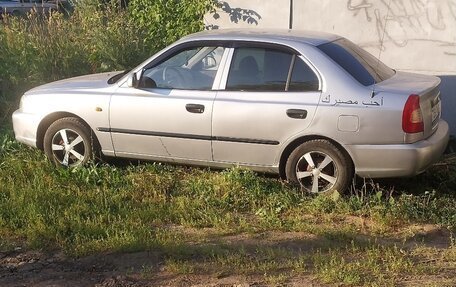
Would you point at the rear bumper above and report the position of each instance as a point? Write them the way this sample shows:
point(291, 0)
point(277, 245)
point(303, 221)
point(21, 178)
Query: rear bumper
point(25, 127)
point(376, 161)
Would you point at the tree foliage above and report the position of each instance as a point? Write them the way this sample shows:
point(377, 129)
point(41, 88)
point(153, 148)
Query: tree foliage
point(168, 20)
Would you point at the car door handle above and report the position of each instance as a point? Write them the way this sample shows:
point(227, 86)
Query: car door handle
point(297, 114)
point(195, 108)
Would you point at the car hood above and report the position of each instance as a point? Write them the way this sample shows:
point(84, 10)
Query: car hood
point(81, 83)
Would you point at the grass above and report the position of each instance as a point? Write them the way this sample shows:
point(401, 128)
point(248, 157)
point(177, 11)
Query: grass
point(186, 214)
point(100, 207)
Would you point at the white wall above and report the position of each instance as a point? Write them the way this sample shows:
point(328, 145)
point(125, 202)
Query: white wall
point(417, 35)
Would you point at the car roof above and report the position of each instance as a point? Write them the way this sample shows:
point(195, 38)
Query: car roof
point(265, 35)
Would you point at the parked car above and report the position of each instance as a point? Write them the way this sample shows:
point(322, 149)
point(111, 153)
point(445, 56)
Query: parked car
point(313, 107)
point(22, 7)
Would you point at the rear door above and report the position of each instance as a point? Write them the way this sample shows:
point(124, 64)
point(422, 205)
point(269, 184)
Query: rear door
point(268, 94)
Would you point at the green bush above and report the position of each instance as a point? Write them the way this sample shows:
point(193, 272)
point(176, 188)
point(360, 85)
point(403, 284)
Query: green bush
point(168, 20)
point(93, 38)
point(36, 49)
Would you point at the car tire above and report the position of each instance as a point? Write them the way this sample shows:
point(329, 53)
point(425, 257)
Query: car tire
point(319, 167)
point(68, 142)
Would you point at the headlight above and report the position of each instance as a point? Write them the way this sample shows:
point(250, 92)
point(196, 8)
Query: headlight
point(21, 103)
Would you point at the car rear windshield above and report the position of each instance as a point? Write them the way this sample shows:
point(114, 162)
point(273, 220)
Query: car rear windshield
point(364, 67)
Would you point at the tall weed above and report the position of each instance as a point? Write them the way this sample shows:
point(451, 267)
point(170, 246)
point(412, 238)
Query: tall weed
point(37, 49)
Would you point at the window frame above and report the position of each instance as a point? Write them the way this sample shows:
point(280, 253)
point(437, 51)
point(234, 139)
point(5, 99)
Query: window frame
point(166, 55)
point(274, 46)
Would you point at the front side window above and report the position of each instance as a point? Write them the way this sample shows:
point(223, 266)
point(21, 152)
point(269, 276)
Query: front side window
point(189, 69)
point(264, 69)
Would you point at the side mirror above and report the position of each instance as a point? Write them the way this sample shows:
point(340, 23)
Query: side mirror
point(132, 80)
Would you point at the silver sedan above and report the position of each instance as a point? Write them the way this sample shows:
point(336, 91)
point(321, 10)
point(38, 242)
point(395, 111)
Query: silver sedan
point(312, 107)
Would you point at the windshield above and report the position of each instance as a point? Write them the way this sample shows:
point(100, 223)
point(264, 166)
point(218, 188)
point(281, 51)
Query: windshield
point(364, 67)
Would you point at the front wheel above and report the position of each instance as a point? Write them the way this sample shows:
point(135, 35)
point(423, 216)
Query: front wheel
point(318, 166)
point(67, 142)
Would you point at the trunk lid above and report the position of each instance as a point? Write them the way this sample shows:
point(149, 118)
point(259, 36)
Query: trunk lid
point(427, 88)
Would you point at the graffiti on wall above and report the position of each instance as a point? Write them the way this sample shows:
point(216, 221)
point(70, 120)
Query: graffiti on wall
point(401, 21)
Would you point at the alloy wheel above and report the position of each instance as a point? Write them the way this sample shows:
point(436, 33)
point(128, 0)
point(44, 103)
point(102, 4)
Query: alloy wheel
point(316, 172)
point(68, 147)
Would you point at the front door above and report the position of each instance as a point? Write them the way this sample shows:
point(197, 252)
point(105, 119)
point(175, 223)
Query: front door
point(170, 114)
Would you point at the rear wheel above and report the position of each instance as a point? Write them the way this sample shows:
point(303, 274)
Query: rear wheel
point(67, 142)
point(318, 166)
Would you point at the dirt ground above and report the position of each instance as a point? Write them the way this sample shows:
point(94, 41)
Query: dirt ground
point(112, 270)
point(21, 267)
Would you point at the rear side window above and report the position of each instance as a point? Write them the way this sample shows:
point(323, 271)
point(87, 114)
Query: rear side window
point(262, 69)
point(364, 67)
point(303, 78)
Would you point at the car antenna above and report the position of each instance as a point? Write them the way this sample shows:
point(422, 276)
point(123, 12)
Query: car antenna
point(381, 44)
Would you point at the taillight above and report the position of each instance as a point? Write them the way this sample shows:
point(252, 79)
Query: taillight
point(412, 118)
